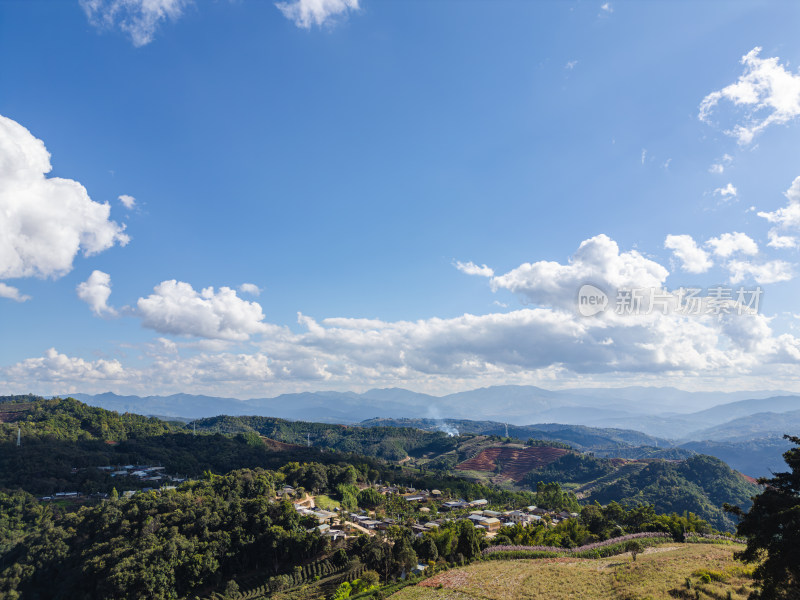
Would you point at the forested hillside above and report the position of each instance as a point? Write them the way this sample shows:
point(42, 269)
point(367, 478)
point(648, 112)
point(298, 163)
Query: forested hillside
point(64, 441)
point(389, 443)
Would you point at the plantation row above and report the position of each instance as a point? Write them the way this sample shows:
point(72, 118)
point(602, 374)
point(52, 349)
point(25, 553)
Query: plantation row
point(311, 572)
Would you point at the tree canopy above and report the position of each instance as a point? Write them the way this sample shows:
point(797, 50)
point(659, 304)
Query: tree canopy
point(772, 528)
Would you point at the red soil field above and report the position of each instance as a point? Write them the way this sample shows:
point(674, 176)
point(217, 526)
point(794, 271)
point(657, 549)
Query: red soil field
point(515, 462)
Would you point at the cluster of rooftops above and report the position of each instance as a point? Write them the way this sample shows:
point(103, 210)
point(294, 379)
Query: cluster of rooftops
point(362, 521)
point(142, 472)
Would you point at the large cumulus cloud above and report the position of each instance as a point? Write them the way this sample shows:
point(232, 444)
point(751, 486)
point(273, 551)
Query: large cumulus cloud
point(46, 221)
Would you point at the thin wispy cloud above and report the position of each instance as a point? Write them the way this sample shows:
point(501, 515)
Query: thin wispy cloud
point(307, 13)
point(250, 288)
point(470, 268)
point(718, 168)
point(139, 19)
point(12, 293)
point(128, 202)
point(786, 219)
point(773, 271)
point(727, 192)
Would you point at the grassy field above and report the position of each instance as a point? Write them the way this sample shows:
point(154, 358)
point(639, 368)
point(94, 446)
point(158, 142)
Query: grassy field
point(326, 502)
point(660, 573)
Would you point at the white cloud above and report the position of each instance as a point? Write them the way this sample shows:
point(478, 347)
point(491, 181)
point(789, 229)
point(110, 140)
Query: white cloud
point(769, 93)
point(528, 345)
point(61, 369)
point(781, 241)
point(730, 243)
point(606, 7)
point(727, 192)
point(12, 293)
point(128, 202)
point(95, 291)
point(787, 217)
point(571, 64)
point(768, 272)
point(250, 288)
point(471, 350)
point(718, 168)
point(306, 13)
point(693, 258)
point(138, 18)
point(176, 308)
point(470, 268)
point(597, 261)
point(644, 154)
point(46, 220)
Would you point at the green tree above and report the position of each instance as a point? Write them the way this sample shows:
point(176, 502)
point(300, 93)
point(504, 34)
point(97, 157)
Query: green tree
point(772, 528)
point(427, 549)
point(343, 591)
point(370, 578)
point(369, 498)
point(469, 540)
point(634, 547)
point(232, 589)
point(404, 554)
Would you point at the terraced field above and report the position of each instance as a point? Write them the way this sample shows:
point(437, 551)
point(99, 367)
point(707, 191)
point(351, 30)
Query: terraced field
point(514, 462)
point(661, 573)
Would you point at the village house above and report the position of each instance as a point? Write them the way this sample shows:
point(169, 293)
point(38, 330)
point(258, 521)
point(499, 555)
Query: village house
point(369, 524)
point(334, 534)
point(453, 505)
point(492, 523)
point(517, 516)
point(418, 530)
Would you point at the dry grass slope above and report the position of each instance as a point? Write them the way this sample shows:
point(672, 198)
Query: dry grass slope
point(659, 573)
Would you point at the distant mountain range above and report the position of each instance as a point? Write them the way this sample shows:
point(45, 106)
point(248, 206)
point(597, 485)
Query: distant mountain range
point(661, 412)
point(741, 428)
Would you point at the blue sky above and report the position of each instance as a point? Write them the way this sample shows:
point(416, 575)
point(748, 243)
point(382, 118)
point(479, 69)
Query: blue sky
point(249, 198)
